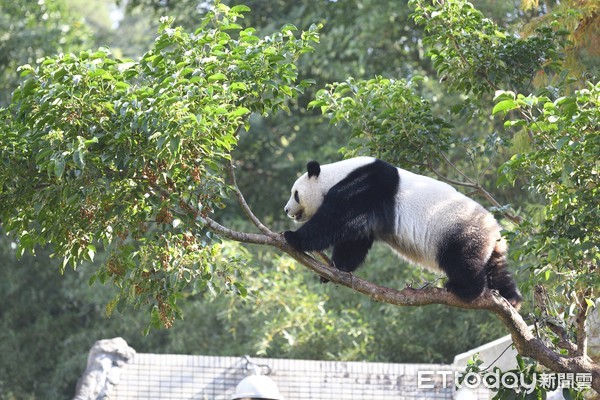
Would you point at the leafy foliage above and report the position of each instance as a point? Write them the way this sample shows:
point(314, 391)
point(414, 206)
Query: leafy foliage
point(473, 54)
point(387, 118)
point(32, 29)
point(581, 19)
point(564, 134)
point(112, 147)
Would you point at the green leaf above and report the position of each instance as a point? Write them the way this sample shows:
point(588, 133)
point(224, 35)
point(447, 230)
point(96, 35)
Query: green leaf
point(59, 73)
point(231, 27)
point(289, 28)
point(238, 86)
point(240, 112)
point(79, 158)
point(43, 154)
point(217, 77)
point(91, 141)
point(25, 70)
point(515, 123)
point(504, 95)
point(590, 303)
point(241, 289)
point(316, 103)
point(59, 167)
point(91, 252)
point(240, 8)
point(504, 105)
point(175, 145)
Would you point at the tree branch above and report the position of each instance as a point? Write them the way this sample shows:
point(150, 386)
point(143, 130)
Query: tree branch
point(243, 204)
point(564, 342)
point(527, 344)
point(580, 320)
point(456, 168)
point(473, 185)
point(243, 237)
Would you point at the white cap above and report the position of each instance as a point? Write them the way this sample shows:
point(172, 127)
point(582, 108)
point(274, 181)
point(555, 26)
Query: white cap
point(257, 387)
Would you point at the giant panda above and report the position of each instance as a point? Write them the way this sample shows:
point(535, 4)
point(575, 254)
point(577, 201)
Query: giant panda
point(349, 204)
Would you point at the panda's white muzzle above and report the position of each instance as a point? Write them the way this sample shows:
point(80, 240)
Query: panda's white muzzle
point(294, 210)
point(296, 216)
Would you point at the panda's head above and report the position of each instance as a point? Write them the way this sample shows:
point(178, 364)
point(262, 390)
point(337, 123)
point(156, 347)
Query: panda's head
point(307, 194)
point(310, 189)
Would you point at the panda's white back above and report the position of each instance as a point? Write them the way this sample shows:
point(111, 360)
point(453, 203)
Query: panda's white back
point(427, 209)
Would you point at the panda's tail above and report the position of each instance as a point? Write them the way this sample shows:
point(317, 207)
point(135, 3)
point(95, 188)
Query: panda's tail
point(499, 277)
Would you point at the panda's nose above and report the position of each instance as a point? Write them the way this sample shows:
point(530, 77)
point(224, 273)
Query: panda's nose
point(286, 210)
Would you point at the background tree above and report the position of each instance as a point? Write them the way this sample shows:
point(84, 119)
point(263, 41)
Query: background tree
point(32, 30)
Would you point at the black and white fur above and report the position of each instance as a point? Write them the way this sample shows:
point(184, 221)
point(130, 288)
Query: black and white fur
point(349, 204)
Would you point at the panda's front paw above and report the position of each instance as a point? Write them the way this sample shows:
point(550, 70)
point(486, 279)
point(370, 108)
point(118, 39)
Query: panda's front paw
point(293, 239)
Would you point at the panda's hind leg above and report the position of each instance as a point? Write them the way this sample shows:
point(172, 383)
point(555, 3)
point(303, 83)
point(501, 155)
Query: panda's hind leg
point(460, 257)
point(468, 288)
point(500, 278)
point(347, 256)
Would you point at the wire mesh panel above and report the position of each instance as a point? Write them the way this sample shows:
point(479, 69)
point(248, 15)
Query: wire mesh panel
point(175, 377)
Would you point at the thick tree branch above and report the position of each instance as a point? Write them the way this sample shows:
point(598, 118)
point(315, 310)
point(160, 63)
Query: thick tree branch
point(525, 341)
point(581, 320)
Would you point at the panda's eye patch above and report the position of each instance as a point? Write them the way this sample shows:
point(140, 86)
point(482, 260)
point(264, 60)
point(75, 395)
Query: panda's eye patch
point(296, 197)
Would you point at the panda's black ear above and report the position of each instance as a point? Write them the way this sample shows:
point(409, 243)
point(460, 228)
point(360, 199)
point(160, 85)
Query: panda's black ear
point(313, 168)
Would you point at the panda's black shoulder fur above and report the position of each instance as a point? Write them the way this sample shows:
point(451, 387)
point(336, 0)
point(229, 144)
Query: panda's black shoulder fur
point(368, 190)
point(354, 211)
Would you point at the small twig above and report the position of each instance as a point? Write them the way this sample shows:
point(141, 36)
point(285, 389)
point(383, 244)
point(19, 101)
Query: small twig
point(488, 166)
point(477, 188)
point(564, 342)
point(497, 358)
point(455, 167)
point(452, 181)
point(214, 226)
point(243, 204)
point(429, 283)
